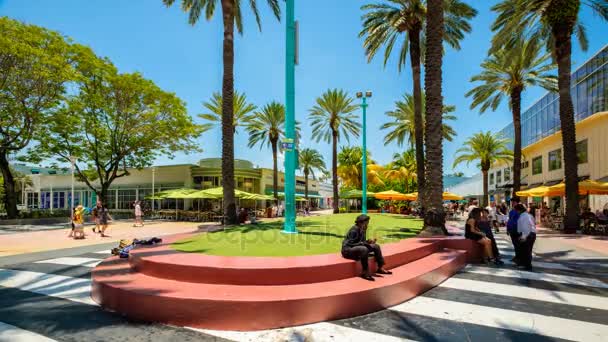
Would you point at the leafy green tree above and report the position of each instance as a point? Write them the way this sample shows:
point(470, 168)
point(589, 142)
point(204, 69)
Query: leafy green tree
point(232, 16)
point(242, 109)
point(553, 22)
point(486, 148)
point(309, 161)
point(113, 122)
point(34, 69)
point(402, 121)
point(332, 118)
point(507, 73)
point(402, 169)
point(266, 127)
point(350, 166)
point(383, 25)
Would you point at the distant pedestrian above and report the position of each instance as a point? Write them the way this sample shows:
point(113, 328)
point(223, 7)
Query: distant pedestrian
point(526, 229)
point(95, 214)
point(78, 222)
point(139, 222)
point(104, 218)
point(512, 228)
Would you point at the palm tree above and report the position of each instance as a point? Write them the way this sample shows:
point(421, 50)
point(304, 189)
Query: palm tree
point(310, 160)
point(241, 107)
point(384, 22)
point(350, 165)
point(552, 21)
point(432, 190)
point(265, 128)
point(231, 14)
point(332, 118)
point(507, 73)
point(486, 148)
point(403, 118)
point(402, 169)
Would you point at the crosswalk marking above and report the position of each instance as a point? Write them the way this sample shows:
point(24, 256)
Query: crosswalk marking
point(311, 332)
point(505, 319)
point(557, 278)
point(74, 289)
point(105, 252)
point(72, 261)
point(11, 333)
point(527, 292)
point(547, 265)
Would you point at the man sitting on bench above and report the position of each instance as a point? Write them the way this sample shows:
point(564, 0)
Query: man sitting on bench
point(357, 247)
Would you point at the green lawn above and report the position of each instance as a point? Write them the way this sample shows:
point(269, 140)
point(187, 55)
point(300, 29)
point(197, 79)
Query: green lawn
point(317, 235)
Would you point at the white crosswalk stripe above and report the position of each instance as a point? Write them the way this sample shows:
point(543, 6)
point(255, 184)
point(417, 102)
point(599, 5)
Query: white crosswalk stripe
point(11, 333)
point(557, 278)
point(72, 261)
point(542, 264)
point(507, 319)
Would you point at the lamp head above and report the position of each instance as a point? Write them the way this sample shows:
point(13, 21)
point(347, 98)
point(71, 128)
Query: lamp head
point(359, 94)
point(368, 94)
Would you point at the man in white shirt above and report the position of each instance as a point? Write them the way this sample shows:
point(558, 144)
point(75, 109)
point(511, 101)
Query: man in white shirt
point(526, 229)
point(473, 205)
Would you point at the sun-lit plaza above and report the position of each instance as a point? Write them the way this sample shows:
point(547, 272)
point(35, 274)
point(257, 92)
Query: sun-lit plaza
point(389, 170)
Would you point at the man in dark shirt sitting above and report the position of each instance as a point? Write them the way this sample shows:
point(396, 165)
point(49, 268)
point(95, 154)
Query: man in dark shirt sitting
point(357, 247)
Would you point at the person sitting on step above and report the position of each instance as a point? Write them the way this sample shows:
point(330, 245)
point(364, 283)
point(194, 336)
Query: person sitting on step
point(357, 247)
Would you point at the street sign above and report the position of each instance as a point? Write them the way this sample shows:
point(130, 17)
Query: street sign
point(287, 145)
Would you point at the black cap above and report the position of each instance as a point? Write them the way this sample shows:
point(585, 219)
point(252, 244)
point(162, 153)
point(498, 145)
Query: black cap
point(362, 218)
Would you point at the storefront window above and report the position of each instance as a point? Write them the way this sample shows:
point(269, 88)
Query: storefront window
point(537, 165)
point(126, 199)
point(581, 151)
point(555, 160)
point(491, 178)
point(59, 200)
point(498, 177)
point(507, 173)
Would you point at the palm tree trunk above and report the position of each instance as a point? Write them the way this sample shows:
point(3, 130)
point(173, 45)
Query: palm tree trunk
point(434, 104)
point(275, 169)
point(334, 170)
point(10, 196)
point(414, 40)
point(484, 200)
point(228, 113)
point(306, 185)
point(563, 50)
point(516, 108)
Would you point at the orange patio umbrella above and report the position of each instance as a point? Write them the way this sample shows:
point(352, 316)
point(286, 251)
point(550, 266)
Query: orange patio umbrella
point(392, 195)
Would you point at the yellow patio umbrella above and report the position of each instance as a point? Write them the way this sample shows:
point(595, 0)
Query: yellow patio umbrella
point(586, 187)
point(448, 196)
point(392, 195)
point(539, 191)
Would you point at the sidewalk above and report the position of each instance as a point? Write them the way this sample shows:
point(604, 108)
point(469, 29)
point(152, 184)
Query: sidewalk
point(44, 240)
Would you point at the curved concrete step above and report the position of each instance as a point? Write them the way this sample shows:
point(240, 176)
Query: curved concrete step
point(117, 287)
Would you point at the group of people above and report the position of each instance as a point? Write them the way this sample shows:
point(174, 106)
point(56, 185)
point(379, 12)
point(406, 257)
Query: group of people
point(521, 227)
point(101, 217)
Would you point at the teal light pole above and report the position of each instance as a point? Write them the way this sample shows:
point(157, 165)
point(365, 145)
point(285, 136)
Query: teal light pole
point(364, 105)
point(289, 145)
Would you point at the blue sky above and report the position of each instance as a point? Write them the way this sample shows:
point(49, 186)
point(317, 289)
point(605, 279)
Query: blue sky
point(145, 36)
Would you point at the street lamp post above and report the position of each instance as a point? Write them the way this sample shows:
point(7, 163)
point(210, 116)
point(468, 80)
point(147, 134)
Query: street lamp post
point(289, 145)
point(364, 105)
point(153, 174)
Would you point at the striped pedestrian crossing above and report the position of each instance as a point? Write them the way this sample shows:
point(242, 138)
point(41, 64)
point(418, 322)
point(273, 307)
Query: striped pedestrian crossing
point(555, 302)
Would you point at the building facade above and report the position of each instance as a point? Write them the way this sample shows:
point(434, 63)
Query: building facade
point(52, 190)
point(543, 162)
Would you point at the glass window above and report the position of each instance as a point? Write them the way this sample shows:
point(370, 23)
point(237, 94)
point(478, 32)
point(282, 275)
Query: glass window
point(126, 199)
point(498, 177)
point(555, 160)
point(581, 97)
point(537, 165)
point(32, 200)
point(581, 151)
point(111, 199)
point(491, 178)
point(507, 173)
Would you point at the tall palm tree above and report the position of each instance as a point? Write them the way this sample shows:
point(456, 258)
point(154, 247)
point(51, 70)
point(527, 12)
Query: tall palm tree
point(552, 21)
point(310, 160)
point(231, 14)
point(507, 73)
point(350, 165)
point(384, 22)
point(241, 108)
point(332, 118)
point(486, 148)
point(432, 191)
point(265, 128)
point(402, 124)
point(402, 169)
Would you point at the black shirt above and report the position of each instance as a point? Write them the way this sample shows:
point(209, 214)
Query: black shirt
point(354, 237)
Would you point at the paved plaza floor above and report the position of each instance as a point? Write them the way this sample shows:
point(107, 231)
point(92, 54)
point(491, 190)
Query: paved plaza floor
point(45, 296)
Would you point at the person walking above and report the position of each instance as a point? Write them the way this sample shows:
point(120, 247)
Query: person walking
point(526, 228)
point(104, 218)
point(512, 228)
point(139, 222)
point(95, 214)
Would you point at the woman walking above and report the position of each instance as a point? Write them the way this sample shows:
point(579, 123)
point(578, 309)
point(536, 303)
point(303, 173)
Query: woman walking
point(104, 217)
